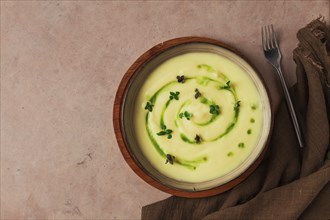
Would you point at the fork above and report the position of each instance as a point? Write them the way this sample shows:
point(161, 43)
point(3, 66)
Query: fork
point(273, 55)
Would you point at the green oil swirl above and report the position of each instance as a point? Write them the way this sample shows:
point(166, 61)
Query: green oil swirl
point(204, 81)
point(230, 126)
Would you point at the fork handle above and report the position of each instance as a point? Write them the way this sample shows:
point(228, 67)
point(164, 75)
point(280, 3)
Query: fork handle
point(290, 106)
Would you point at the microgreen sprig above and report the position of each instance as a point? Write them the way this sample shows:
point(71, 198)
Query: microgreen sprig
point(198, 139)
point(169, 159)
point(214, 109)
point(227, 86)
point(197, 94)
point(149, 106)
point(186, 115)
point(174, 95)
point(180, 79)
point(165, 131)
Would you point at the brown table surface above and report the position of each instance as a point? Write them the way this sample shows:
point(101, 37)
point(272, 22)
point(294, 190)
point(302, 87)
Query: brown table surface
point(61, 63)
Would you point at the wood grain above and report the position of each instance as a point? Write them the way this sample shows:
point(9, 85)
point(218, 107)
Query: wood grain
point(117, 117)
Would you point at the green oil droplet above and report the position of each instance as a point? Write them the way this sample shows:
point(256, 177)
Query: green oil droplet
point(241, 145)
point(249, 131)
point(252, 120)
point(230, 154)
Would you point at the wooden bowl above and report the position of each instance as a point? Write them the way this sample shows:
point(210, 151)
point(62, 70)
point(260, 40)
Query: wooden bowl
point(124, 130)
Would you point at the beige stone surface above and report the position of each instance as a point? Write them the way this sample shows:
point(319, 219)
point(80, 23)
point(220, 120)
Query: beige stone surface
point(61, 63)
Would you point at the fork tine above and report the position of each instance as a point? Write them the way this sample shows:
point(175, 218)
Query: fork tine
point(274, 37)
point(267, 38)
point(263, 38)
point(272, 34)
point(270, 37)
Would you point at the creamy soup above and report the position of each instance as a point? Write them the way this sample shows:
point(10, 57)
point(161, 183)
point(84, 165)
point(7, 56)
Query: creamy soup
point(198, 117)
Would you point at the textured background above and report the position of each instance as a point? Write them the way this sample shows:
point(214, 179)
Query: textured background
point(61, 63)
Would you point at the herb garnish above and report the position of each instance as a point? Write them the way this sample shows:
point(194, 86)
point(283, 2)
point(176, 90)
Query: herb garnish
point(237, 105)
point(174, 95)
point(249, 131)
point(252, 120)
point(165, 131)
point(214, 109)
point(227, 86)
point(180, 79)
point(198, 139)
point(185, 114)
point(197, 94)
point(169, 159)
point(254, 107)
point(241, 145)
point(149, 106)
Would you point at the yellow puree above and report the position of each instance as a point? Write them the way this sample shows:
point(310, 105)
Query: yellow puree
point(215, 155)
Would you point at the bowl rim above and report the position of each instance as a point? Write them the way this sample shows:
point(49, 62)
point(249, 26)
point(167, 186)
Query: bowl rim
point(118, 129)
